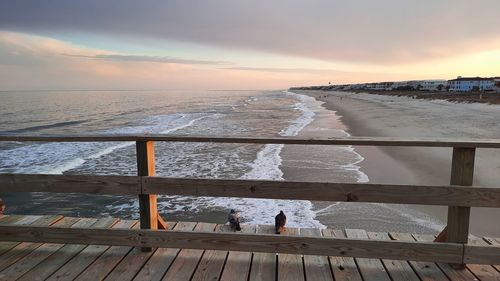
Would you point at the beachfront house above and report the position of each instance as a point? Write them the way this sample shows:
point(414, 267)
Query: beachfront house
point(468, 84)
point(433, 85)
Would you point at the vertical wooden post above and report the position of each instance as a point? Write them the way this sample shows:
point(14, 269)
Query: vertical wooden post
point(462, 173)
point(147, 202)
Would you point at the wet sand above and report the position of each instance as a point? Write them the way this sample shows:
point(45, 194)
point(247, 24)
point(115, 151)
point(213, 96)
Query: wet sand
point(368, 115)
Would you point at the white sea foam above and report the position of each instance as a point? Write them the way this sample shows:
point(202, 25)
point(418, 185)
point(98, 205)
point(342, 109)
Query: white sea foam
point(56, 158)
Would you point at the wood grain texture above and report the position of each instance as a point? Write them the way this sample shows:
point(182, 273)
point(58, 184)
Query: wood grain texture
point(397, 269)
point(427, 271)
point(162, 258)
point(321, 191)
point(48, 266)
point(237, 267)
point(32, 259)
point(71, 269)
point(371, 269)
point(368, 141)
point(122, 185)
point(316, 267)
point(147, 202)
point(290, 266)
point(187, 260)
point(482, 271)
point(450, 269)
point(22, 249)
point(212, 262)
point(462, 173)
point(132, 264)
point(343, 268)
point(106, 262)
point(263, 264)
point(426, 251)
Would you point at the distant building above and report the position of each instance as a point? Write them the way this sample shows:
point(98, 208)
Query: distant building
point(433, 85)
point(467, 84)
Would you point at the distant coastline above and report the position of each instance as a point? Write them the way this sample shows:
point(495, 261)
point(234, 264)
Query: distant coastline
point(468, 97)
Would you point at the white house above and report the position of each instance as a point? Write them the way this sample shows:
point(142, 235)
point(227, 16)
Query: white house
point(433, 85)
point(467, 84)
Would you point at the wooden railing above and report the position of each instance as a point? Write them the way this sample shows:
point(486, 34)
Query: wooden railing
point(459, 196)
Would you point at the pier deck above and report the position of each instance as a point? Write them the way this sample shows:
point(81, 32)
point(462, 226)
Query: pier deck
point(48, 261)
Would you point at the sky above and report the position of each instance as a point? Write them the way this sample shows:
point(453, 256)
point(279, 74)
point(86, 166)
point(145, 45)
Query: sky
point(227, 44)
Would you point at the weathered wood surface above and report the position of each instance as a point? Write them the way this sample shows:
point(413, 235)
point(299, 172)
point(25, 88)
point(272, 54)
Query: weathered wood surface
point(211, 264)
point(146, 166)
point(316, 267)
point(24, 248)
point(187, 260)
point(427, 271)
point(77, 264)
point(397, 269)
point(371, 269)
point(343, 192)
point(263, 264)
point(425, 251)
point(483, 271)
point(123, 185)
point(462, 173)
point(48, 266)
point(126, 263)
point(290, 267)
point(237, 267)
point(32, 259)
point(453, 271)
point(162, 258)
point(343, 268)
point(371, 141)
point(320, 191)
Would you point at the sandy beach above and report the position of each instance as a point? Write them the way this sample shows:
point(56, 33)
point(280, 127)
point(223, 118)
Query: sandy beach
point(389, 116)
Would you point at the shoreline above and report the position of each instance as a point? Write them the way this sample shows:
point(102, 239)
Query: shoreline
point(425, 166)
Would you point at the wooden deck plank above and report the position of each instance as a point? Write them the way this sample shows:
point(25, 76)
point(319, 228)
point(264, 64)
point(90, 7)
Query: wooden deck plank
point(316, 267)
point(370, 269)
point(212, 262)
point(48, 266)
point(162, 258)
point(452, 273)
point(132, 264)
point(494, 242)
point(290, 266)
point(84, 258)
point(481, 271)
point(343, 268)
point(237, 266)
point(29, 261)
point(427, 271)
point(22, 249)
point(9, 219)
point(105, 263)
point(397, 269)
point(263, 266)
point(187, 260)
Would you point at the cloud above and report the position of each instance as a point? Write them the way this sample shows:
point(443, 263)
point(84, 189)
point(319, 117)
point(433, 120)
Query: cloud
point(157, 59)
point(377, 32)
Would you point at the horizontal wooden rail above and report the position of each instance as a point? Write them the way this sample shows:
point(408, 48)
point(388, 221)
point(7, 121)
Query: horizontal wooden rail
point(118, 185)
point(317, 191)
point(363, 141)
point(420, 251)
point(289, 190)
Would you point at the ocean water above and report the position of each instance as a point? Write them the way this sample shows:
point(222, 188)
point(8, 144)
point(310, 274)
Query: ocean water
point(211, 113)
